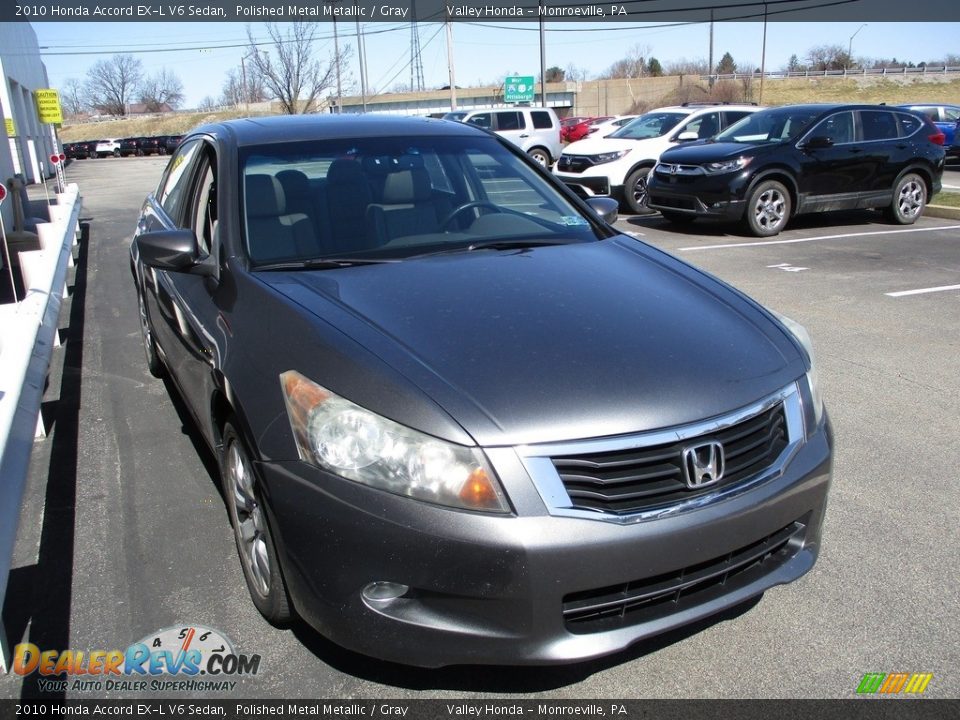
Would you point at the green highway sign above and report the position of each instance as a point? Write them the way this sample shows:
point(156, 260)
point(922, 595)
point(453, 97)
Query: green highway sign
point(518, 88)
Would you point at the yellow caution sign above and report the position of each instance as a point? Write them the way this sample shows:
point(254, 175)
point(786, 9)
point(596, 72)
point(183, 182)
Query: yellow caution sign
point(11, 130)
point(48, 106)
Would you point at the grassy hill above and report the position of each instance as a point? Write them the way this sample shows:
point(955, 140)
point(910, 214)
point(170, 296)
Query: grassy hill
point(891, 89)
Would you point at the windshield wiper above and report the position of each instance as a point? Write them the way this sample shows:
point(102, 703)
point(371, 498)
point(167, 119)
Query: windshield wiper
point(322, 263)
point(512, 244)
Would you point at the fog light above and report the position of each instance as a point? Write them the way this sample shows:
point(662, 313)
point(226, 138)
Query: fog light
point(382, 591)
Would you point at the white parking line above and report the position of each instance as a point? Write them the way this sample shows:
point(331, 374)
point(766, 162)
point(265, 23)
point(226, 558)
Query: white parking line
point(694, 248)
point(904, 293)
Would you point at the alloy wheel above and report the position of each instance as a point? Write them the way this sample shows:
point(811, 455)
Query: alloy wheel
point(249, 522)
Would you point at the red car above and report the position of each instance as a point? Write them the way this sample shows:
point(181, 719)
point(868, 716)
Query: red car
point(567, 123)
point(583, 128)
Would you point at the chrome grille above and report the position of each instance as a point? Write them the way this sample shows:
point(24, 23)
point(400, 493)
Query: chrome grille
point(639, 479)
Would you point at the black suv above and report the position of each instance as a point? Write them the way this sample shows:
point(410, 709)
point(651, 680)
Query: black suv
point(797, 159)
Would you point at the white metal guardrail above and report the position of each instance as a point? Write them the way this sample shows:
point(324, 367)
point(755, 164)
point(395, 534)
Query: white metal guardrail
point(28, 334)
point(851, 72)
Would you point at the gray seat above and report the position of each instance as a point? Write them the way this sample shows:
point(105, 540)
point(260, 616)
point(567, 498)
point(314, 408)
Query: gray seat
point(272, 232)
point(407, 207)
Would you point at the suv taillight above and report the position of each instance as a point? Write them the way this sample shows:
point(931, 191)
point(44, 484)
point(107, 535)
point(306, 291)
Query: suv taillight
point(936, 136)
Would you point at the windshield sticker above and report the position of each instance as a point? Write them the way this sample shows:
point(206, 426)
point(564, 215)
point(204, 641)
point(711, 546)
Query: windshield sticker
point(573, 220)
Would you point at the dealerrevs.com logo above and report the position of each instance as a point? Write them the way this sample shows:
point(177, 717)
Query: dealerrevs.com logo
point(169, 660)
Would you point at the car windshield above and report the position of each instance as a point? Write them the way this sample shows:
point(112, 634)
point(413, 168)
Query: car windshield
point(771, 126)
point(394, 198)
point(648, 126)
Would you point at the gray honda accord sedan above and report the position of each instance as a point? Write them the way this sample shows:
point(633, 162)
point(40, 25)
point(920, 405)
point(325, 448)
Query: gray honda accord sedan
point(459, 417)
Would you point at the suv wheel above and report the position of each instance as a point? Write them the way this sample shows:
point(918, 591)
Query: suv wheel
point(768, 208)
point(258, 555)
point(635, 191)
point(116, 153)
point(909, 200)
point(541, 156)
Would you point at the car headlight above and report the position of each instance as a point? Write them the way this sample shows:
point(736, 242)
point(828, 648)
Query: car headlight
point(357, 444)
point(608, 157)
point(813, 382)
point(726, 166)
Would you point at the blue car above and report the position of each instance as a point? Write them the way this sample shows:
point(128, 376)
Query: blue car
point(945, 117)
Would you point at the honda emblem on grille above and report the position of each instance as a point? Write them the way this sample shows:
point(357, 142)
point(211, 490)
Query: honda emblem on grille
point(703, 465)
point(673, 169)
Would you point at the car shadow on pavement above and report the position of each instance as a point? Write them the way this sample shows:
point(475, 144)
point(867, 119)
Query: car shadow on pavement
point(495, 679)
point(714, 228)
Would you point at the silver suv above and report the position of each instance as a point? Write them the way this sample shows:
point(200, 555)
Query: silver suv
point(535, 130)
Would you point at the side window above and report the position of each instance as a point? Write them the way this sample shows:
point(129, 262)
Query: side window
point(204, 212)
point(482, 120)
point(878, 125)
point(909, 124)
point(171, 194)
point(510, 121)
point(838, 127)
point(705, 126)
point(541, 119)
point(951, 114)
point(731, 116)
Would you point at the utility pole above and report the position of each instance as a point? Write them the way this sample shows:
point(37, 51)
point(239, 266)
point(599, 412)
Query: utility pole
point(416, 63)
point(710, 60)
point(363, 70)
point(543, 60)
point(763, 55)
point(336, 55)
point(850, 48)
point(453, 83)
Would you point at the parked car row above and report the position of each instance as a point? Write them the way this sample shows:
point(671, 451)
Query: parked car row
point(764, 166)
point(122, 147)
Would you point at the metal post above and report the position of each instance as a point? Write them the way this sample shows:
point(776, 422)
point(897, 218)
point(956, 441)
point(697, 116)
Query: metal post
point(453, 84)
point(763, 55)
point(543, 60)
point(363, 69)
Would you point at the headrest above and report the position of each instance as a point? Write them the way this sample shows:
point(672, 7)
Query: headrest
point(264, 196)
point(407, 186)
point(294, 183)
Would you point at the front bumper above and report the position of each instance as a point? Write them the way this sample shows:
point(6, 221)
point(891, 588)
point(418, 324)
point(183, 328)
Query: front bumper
point(721, 197)
point(510, 589)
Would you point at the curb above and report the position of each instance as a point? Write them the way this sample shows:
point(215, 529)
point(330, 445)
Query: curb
point(942, 211)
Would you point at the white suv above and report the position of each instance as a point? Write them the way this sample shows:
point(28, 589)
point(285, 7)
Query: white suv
point(617, 165)
point(535, 130)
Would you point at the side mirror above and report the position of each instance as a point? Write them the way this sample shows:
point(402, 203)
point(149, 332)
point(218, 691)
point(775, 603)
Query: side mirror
point(173, 250)
point(605, 207)
point(687, 136)
point(819, 142)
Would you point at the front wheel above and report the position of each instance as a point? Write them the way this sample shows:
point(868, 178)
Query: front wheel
point(909, 200)
point(768, 208)
point(258, 554)
point(635, 191)
point(540, 156)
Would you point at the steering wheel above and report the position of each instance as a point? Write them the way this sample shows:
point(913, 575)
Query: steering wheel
point(469, 206)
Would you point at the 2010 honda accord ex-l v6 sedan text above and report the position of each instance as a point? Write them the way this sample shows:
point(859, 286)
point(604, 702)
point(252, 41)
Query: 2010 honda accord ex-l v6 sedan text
point(459, 418)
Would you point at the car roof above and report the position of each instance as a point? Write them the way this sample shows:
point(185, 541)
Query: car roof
point(299, 128)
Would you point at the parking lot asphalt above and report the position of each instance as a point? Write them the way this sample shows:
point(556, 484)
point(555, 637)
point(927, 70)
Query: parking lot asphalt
point(124, 531)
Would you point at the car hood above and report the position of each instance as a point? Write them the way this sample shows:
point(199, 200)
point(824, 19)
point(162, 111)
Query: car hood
point(557, 343)
point(596, 145)
point(709, 151)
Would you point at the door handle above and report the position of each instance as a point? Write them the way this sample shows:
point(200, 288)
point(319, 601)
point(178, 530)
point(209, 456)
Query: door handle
point(525, 135)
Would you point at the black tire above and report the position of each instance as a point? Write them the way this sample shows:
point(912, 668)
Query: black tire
point(909, 200)
point(768, 208)
point(540, 156)
point(116, 153)
point(678, 218)
point(154, 362)
point(248, 516)
point(635, 191)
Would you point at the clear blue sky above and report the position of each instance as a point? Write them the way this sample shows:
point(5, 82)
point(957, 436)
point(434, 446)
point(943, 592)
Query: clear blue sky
point(483, 54)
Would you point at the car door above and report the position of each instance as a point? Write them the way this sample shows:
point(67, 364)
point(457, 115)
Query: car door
point(834, 177)
point(884, 151)
point(178, 303)
point(511, 124)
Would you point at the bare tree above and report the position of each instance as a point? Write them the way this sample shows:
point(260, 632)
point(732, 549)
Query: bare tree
point(235, 92)
point(634, 65)
point(112, 84)
point(73, 97)
point(207, 104)
point(161, 89)
point(698, 66)
point(574, 73)
point(290, 72)
point(827, 57)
